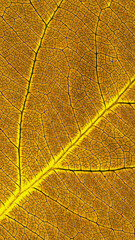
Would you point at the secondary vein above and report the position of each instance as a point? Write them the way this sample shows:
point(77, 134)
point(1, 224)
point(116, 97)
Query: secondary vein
point(28, 91)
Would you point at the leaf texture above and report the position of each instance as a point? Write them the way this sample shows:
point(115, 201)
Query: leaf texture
point(67, 120)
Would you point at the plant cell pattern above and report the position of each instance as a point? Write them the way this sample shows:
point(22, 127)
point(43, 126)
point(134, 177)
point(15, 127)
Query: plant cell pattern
point(67, 119)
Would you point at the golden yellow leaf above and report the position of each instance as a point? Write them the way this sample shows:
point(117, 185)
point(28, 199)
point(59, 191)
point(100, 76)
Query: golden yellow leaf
point(67, 139)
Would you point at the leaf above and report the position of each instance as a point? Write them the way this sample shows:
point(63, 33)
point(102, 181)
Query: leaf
point(67, 149)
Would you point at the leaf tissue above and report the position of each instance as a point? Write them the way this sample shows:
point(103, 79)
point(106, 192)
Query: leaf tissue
point(67, 119)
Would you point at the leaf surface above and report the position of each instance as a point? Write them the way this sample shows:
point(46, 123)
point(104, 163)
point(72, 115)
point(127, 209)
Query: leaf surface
point(67, 139)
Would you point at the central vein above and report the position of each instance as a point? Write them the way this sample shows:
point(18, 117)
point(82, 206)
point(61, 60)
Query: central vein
point(54, 165)
point(19, 195)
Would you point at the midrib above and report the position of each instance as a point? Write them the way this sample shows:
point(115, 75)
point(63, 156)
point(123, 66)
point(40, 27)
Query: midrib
point(48, 170)
point(21, 193)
